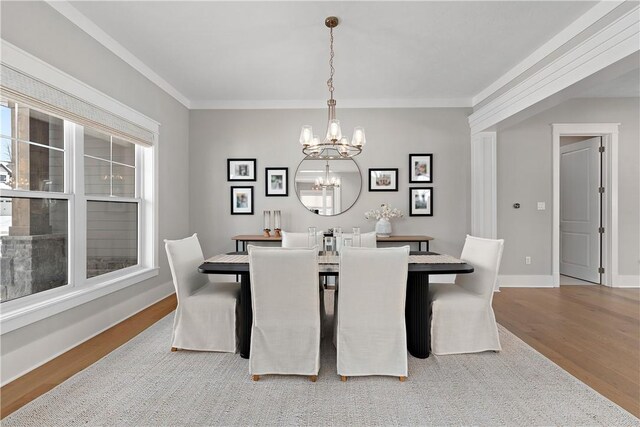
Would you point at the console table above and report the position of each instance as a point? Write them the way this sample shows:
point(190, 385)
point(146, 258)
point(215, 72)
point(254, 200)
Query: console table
point(243, 239)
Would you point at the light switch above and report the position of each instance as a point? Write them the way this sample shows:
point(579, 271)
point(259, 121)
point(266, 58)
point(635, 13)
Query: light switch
point(541, 206)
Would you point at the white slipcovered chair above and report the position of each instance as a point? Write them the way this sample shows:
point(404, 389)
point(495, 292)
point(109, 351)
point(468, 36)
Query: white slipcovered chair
point(462, 317)
point(205, 318)
point(285, 334)
point(367, 240)
point(371, 336)
point(299, 240)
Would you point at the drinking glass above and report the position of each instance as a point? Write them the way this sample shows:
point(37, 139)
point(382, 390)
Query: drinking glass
point(357, 241)
point(313, 237)
point(337, 237)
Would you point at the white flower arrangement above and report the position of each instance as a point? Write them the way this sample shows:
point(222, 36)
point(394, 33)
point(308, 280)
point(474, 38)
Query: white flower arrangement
point(385, 212)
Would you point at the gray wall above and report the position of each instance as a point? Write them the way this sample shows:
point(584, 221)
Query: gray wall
point(38, 29)
point(271, 136)
point(525, 176)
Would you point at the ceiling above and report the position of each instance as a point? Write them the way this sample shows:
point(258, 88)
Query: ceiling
point(217, 52)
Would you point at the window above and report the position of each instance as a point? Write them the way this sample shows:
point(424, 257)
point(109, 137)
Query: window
point(72, 203)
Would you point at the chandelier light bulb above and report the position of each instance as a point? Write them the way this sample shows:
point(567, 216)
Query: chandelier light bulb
point(334, 133)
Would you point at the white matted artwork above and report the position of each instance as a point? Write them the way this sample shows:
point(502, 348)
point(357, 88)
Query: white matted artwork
point(241, 200)
point(276, 182)
point(420, 168)
point(421, 201)
point(241, 169)
point(383, 179)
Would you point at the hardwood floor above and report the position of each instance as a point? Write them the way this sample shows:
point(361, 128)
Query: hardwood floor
point(592, 332)
point(39, 381)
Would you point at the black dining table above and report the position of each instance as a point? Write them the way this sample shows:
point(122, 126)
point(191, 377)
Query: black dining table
point(417, 308)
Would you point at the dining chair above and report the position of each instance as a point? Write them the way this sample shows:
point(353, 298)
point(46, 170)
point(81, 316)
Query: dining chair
point(299, 240)
point(285, 334)
point(367, 240)
point(462, 317)
point(370, 331)
point(205, 318)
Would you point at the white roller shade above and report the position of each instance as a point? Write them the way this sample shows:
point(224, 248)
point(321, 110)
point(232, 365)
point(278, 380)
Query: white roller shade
point(21, 87)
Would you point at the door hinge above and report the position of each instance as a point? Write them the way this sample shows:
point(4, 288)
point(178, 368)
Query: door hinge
point(601, 149)
point(600, 190)
point(601, 230)
point(601, 270)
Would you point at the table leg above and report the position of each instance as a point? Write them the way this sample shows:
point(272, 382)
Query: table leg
point(418, 315)
point(427, 243)
point(246, 316)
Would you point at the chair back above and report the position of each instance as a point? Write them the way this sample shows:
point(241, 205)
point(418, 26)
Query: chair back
point(367, 240)
point(485, 256)
point(299, 240)
point(185, 255)
point(284, 287)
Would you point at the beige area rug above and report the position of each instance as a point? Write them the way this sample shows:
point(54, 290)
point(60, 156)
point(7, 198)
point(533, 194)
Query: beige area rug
point(143, 384)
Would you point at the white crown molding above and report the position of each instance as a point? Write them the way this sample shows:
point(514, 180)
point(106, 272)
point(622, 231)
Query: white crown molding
point(592, 16)
point(88, 26)
point(322, 104)
point(612, 43)
point(17, 58)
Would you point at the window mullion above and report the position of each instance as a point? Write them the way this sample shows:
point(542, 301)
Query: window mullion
point(79, 225)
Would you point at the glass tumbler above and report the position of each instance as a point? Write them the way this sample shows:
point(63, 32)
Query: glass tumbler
point(357, 238)
point(313, 237)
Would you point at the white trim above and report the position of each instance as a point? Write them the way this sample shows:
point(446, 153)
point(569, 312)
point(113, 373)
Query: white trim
point(610, 255)
point(607, 46)
point(525, 281)
point(592, 16)
point(484, 187)
point(628, 281)
point(322, 104)
point(17, 314)
point(35, 67)
point(109, 320)
point(6, 192)
point(88, 26)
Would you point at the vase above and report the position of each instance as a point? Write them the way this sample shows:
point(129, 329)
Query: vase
point(383, 227)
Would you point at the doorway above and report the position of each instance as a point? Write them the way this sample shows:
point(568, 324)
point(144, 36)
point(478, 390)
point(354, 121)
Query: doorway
point(608, 217)
point(581, 192)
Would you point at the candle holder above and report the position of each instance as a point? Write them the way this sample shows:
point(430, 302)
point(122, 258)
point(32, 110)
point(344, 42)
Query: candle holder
point(266, 227)
point(277, 223)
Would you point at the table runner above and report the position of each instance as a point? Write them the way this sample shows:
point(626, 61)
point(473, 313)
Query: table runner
point(335, 259)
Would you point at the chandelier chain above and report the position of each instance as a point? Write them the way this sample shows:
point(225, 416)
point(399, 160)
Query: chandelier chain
point(332, 70)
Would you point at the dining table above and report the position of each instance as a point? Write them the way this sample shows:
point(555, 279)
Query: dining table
point(421, 266)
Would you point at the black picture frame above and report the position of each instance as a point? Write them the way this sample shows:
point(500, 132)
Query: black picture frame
point(241, 170)
point(236, 206)
point(269, 190)
point(415, 205)
point(374, 180)
point(416, 174)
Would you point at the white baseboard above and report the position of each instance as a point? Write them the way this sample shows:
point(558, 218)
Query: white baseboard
point(628, 281)
point(28, 348)
point(526, 281)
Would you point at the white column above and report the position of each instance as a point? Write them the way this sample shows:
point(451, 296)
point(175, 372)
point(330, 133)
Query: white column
point(484, 203)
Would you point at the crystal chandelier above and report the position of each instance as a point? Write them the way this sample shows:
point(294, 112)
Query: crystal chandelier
point(334, 145)
point(326, 182)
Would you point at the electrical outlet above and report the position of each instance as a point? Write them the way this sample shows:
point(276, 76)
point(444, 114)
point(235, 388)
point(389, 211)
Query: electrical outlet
point(541, 206)
point(527, 260)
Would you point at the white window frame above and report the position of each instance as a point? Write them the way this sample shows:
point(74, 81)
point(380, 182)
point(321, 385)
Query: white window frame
point(26, 310)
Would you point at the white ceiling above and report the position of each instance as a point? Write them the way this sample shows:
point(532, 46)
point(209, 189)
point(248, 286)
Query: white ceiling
point(278, 51)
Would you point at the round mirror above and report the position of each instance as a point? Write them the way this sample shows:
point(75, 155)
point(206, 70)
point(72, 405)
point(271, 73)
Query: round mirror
point(328, 186)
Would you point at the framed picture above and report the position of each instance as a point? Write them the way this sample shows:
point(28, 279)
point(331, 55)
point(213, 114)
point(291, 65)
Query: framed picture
point(421, 201)
point(420, 168)
point(241, 169)
point(241, 200)
point(383, 179)
point(276, 182)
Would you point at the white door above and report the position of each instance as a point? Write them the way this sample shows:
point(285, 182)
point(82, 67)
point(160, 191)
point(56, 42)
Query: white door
point(580, 210)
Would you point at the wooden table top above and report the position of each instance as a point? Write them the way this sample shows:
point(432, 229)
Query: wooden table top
point(261, 238)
